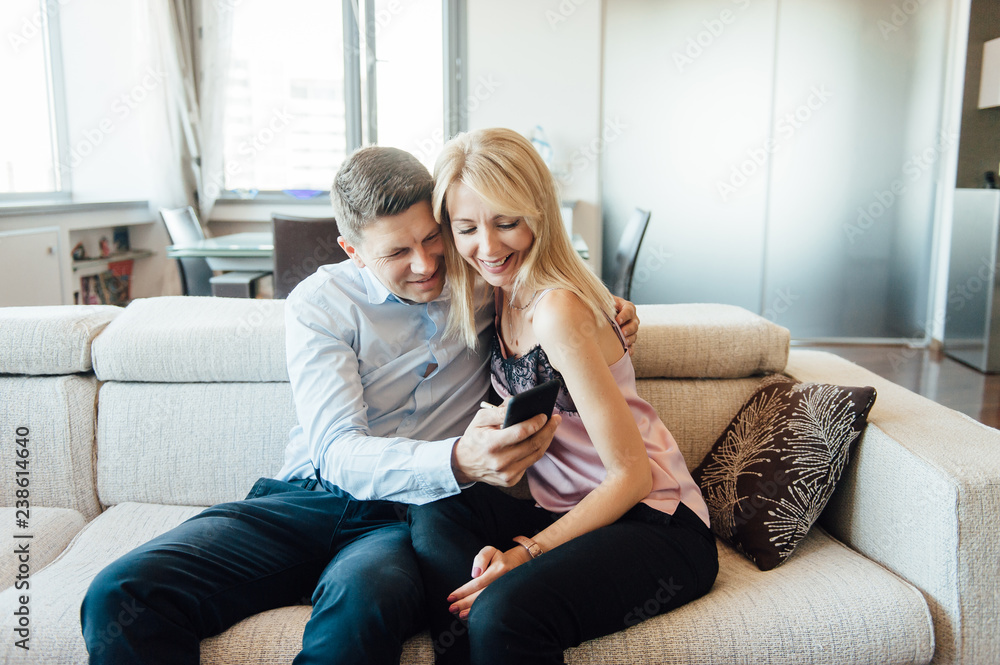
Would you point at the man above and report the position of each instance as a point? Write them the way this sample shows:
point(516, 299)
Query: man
point(388, 413)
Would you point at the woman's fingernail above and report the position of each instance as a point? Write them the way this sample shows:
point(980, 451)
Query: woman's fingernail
point(477, 571)
point(464, 614)
point(452, 598)
point(453, 608)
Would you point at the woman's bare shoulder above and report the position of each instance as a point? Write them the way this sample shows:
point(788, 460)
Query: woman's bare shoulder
point(562, 318)
point(558, 309)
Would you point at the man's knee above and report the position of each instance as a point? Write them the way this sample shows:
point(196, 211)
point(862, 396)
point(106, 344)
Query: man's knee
point(390, 584)
point(106, 591)
point(127, 588)
point(110, 608)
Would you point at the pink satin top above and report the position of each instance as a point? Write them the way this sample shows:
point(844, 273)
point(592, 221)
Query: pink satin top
point(571, 468)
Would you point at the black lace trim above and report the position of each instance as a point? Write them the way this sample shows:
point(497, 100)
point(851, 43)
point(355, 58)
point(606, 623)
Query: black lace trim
point(527, 371)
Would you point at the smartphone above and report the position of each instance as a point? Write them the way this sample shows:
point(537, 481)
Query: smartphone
point(540, 399)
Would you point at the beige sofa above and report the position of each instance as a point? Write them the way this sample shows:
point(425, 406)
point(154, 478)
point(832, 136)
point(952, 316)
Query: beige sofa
point(138, 417)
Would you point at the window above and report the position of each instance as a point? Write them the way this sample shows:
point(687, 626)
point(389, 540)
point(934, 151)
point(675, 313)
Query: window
point(410, 99)
point(32, 129)
point(298, 101)
point(284, 118)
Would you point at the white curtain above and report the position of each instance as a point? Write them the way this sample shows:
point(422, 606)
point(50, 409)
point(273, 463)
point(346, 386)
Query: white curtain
point(191, 42)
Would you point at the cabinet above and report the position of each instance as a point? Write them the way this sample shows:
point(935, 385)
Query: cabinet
point(29, 269)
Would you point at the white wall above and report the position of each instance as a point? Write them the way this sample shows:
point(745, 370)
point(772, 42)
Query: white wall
point(539, 63)
point(115, 116)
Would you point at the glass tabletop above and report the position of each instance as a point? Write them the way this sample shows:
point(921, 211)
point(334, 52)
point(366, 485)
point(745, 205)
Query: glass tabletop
point(250, 244)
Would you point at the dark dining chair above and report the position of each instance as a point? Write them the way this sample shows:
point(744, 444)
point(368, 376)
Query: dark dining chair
point(183, 227)
point(627, 252)
point(301, 246)
point(196, 276)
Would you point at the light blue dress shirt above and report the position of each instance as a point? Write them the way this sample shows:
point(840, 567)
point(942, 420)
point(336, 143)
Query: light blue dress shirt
point(369, 419)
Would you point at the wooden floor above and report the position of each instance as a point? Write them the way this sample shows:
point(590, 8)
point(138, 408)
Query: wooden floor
point(931, 374)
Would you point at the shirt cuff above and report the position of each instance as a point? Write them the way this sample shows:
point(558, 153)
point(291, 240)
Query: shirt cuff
point(433, 464)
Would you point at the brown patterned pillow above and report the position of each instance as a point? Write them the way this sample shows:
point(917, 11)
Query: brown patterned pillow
point(772, 471)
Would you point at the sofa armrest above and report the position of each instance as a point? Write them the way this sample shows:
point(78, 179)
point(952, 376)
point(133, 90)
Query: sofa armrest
point(920, 497)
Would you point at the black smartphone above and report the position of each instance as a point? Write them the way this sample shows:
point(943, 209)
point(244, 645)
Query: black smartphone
point(540, 399)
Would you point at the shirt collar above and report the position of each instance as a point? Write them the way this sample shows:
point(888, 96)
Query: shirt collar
point(378, 293)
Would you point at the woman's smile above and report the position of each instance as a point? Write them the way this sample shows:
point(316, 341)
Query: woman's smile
point(495, 245)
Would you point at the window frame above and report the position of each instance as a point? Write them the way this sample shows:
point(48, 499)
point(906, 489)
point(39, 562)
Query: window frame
point(58, 124)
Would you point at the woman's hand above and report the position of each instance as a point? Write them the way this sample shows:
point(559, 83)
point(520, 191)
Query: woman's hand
point(488, 566)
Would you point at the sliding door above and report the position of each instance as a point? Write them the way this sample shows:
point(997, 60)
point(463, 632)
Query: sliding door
point(851, 202)
point(788, 153)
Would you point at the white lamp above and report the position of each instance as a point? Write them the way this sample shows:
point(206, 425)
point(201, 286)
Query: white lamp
point(989, 84)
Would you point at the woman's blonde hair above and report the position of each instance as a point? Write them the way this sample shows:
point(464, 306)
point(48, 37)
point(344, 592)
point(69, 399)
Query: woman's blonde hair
point(506, 172)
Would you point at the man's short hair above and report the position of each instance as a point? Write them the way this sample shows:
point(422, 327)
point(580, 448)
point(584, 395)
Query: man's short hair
point(377, 182)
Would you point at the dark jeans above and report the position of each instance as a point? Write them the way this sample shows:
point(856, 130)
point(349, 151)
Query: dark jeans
point(282, 545)
point(604, 581)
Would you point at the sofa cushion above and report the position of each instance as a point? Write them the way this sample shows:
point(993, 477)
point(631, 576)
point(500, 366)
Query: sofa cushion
point(189, 444)
point(696, 410)
point(58, 590)
point(184, 338)
point(707, 341)
point(58, 412)
point(828, 605)
point(50, 340)
point(50, 529)
point(776, 465)
point(226, 435)
point(275, 637)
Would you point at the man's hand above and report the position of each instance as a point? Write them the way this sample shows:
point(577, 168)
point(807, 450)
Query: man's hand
point(627, 320)
point(486, 453)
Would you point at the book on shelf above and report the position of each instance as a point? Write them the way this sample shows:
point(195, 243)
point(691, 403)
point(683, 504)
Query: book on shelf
point(111, 287)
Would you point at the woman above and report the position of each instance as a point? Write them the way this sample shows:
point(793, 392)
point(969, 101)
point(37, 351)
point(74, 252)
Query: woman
point(618, 530)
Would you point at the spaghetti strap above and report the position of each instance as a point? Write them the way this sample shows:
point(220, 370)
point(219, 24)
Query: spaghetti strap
point(541, 295)
point(618, 332)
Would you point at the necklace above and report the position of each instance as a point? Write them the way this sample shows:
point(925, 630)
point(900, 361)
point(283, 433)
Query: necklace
point(511, 305)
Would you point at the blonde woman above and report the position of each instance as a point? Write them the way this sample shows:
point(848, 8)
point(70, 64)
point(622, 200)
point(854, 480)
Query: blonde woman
point(617, 530)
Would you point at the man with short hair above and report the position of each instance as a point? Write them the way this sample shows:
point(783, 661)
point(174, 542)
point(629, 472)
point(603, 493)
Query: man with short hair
point(388, 415)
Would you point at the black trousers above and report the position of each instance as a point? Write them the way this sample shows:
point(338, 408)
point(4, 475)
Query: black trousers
point(604, 581)
point(282, 545)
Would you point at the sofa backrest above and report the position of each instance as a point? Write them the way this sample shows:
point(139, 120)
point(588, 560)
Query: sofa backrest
point(707, 341)
point(47, 398)
point(196, 404)
point(698, 363)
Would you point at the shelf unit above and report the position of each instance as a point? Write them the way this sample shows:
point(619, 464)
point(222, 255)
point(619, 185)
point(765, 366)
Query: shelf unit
point(67, 224)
